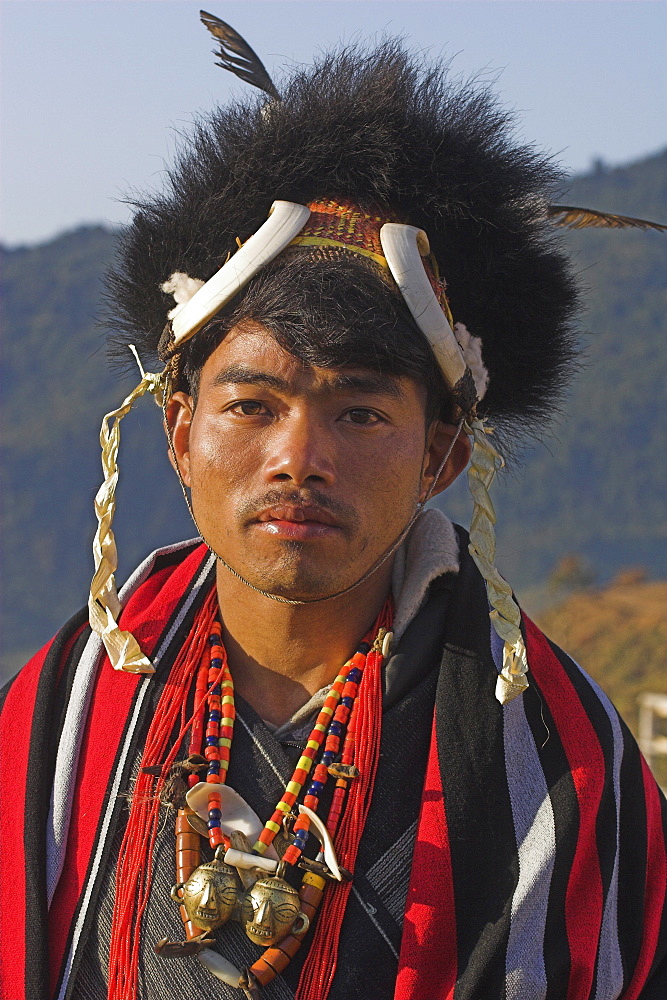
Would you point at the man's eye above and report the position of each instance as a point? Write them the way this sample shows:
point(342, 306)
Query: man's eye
point(249, 408)
point(362, 416)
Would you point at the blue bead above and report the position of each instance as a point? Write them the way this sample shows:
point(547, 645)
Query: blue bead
point(213, 824)
point(211, 741)
point(347, 701)
point(215, 814)
point(336, 728)
point(215, 715)
point(328, 757)
point(354, 675)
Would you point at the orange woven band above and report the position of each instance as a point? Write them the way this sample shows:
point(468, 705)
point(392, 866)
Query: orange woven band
point(346, 226)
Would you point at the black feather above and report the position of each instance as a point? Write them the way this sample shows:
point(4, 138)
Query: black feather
point(240, 59)
point(587, 218)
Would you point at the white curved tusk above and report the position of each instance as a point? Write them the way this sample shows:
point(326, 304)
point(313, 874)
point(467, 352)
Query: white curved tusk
point(219, 967)
point(325, 840)
point(401, 246)
point(285, 221)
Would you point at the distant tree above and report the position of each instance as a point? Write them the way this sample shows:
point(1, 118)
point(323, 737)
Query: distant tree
point(571, 575)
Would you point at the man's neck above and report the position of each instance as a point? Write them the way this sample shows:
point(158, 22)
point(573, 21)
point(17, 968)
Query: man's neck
point(280, 654)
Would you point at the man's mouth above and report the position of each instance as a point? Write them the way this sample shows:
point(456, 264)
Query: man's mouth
point(297, 521)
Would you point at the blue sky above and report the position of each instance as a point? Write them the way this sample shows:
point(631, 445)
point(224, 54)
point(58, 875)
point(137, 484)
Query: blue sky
point(94, 92)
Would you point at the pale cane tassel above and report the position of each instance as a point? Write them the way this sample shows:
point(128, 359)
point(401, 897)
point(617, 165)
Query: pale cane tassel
point(505, 615)
point(103, 604)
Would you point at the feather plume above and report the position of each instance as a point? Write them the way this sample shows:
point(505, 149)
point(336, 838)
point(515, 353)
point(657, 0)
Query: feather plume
point(236, 55)
point(586, 218)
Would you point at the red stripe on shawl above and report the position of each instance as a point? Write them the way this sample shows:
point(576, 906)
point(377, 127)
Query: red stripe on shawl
point(146, 615)
point(16, 718)
point(427, 965)
point(583, 898)
point(655, 885)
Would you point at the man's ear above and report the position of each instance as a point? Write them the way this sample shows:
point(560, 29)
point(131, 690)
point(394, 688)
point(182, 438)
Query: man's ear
point(179, 411)
point(438, 442)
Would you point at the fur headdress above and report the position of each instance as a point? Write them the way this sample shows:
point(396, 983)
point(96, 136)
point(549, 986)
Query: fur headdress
point(375, 127)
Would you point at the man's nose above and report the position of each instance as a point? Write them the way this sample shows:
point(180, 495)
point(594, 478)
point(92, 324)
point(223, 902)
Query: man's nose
point(301, 453)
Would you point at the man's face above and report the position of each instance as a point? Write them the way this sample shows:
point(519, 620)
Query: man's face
point(300, 477)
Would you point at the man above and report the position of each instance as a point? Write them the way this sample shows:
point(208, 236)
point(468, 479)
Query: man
point(405, 789)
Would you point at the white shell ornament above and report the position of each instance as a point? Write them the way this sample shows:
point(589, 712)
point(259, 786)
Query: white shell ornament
point(325, 840)
point(236, 813)
point(220, 967)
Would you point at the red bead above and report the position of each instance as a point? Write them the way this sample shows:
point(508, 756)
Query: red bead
point(211, 753)
point(291, 855)
point(311, 801)
point(321, 773)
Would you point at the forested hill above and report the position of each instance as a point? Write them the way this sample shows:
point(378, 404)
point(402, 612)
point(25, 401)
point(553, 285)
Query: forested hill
point(596, 487)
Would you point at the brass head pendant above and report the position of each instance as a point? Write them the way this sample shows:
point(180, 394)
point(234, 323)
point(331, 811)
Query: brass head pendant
point(211, 894)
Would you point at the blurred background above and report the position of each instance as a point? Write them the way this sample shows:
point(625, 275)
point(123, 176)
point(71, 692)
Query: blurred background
point(94, 98)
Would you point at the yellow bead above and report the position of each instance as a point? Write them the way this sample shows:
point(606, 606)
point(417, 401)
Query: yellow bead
point(270, 825)
point(310, 878)
point(321, 728)
point(313, 745)
point(305, 763)
point(224, 741)
point(327, 710)
point(258, 847)
point(283, 807)
point(294, 787)
point(226, 722)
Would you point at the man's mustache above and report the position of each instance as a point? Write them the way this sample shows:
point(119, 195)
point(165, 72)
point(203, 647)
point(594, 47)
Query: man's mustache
point(342, 511)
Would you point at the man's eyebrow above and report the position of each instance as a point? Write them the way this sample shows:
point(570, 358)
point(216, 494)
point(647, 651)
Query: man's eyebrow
point(368, 382)
point(243, 375)
point(344, 382)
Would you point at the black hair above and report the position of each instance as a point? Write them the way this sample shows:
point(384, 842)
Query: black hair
point(298, 298)
point(378, 127)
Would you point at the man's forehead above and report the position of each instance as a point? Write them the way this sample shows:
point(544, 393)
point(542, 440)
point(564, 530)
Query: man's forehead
point(252, 356)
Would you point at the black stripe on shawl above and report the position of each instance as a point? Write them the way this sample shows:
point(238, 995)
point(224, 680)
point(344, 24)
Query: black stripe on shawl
point(39, 779)
point(656, 988)
point(606, 817)
point(633, 857)
point(158, 680)
point(469, 729)
point(566, 830)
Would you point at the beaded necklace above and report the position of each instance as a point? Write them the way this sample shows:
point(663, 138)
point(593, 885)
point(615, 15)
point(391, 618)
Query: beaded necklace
point(348, 721)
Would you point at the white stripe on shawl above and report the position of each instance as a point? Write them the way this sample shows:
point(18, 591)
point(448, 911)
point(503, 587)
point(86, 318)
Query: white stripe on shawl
point(535, 833)
point(67, 757)
point(66, 780)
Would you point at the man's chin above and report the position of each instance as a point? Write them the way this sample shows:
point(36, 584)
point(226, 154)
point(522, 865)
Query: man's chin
point(294, 577)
